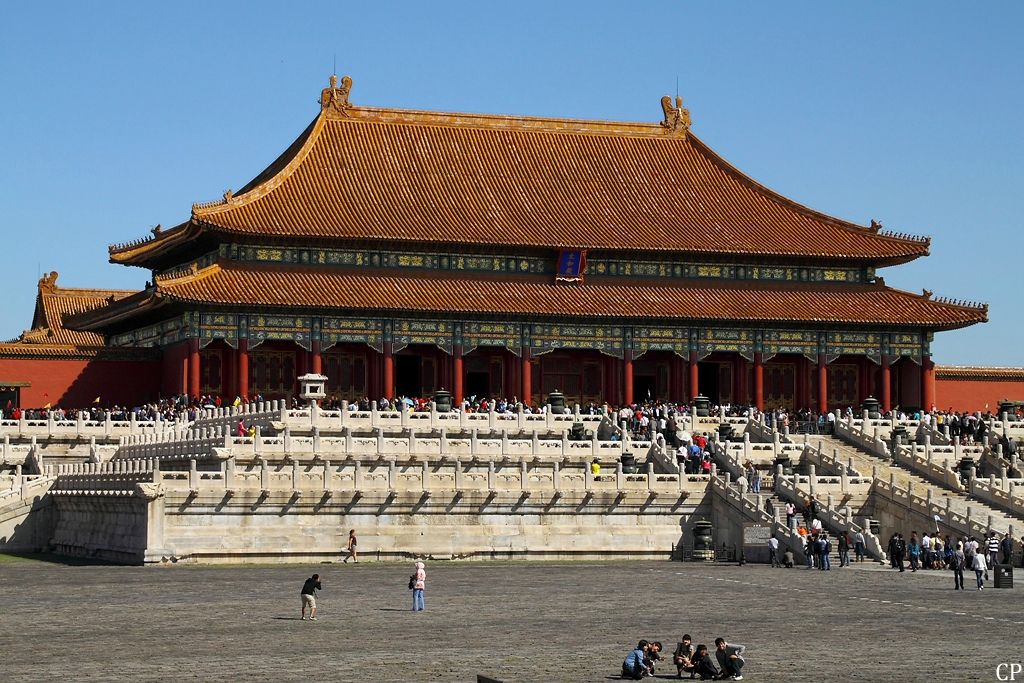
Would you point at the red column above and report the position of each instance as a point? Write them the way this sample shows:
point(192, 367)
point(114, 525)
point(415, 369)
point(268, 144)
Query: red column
point(527, 389)
point(927, 383)
point(822, 384)
point(627, 376)
point(243, 369)
point(193, 367)
point(759, 381)
point(885, 399)
point(457, 379)
point(693, 375)
point(317, 364)
point(389, 372)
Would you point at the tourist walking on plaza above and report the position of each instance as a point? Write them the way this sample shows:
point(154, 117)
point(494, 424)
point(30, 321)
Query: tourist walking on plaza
point(824, 550)
point(730, 658)
point(992, 547)
point(858, 546)
point(844, 549)
point(352, 547)
point(418, 582)
point(956, 563)
point(773, 551)
point(1006, 548)
point(914, 550)
point(308, 594)
point(980, 569)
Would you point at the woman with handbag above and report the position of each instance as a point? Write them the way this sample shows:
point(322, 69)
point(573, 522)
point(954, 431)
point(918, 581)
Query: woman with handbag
point(417, 582)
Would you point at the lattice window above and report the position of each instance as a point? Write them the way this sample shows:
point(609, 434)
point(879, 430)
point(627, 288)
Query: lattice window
point(272, 373)
point(842, 385)
point(211, 380)
point(497, 374)
point(592, 381)
point(427, 375)
point(346, 375)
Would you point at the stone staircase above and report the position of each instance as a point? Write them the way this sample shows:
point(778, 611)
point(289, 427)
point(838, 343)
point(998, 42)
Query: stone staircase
point(868, 463)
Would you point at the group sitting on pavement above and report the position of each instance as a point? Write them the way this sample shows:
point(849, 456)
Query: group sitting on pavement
point(687, 658)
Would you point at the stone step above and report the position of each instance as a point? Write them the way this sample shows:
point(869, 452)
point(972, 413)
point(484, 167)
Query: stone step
point(959, 503)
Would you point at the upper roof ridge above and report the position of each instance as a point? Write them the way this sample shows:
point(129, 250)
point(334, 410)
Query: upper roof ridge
point(611, 186)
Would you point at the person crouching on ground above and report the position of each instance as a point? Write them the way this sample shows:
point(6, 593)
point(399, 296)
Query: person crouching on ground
point(702, 664)
point(633, 666)
point(683, 656)
point(653, 656)
point(309, 590)
point(419, 582)
point(730, 658)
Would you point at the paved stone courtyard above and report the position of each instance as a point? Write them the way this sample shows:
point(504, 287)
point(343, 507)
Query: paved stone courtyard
point(511, 621)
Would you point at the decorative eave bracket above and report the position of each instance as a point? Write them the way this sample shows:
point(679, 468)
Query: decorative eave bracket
point(677, 119)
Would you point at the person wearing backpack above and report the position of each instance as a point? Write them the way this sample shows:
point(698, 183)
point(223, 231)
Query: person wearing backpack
point(956, 563)
point(417, 582)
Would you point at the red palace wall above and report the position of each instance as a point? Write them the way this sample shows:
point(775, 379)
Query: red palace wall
point(77, 383)
point(973, 394)
point(175, 370)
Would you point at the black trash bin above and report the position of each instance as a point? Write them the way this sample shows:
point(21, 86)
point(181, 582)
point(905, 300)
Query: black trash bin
point(1004, 576)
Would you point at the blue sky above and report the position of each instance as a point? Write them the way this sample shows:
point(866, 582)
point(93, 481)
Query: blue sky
point(117, 116)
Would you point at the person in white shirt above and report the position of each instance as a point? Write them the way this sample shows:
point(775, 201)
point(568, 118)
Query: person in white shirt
point(980, 568)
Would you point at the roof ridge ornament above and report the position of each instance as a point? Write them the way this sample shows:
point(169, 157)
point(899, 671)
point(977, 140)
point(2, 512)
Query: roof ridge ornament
point(48, 283)
point(335, 98)
point(677, 119)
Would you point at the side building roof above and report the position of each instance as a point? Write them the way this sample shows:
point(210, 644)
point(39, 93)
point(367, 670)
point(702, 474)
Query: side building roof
point(413, 177)
point(48, 336)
